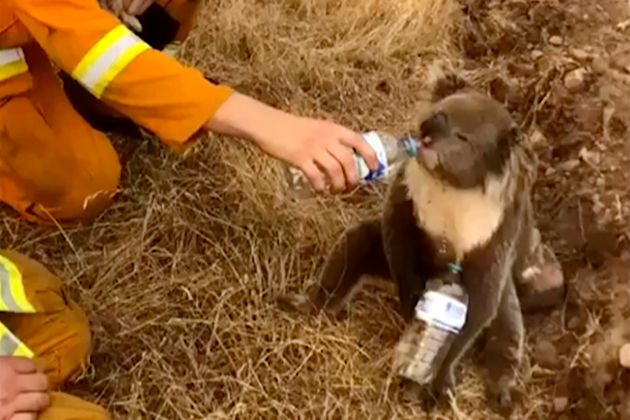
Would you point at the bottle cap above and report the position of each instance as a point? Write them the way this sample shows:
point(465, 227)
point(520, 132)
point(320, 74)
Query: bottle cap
point(411, 144)
point(455, 268)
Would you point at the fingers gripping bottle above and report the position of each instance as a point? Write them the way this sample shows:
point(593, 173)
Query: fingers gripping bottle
point(439, 316)
point(390, 152)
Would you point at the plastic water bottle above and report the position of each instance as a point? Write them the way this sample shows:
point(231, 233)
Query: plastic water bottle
point(390, 152)
point(439, 316)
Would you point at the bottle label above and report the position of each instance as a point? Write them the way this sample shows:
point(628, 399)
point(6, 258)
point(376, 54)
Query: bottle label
point(373, 139)
point(442, 310)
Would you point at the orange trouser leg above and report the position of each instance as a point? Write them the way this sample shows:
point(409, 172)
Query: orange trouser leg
point(52, 163)
point(58, 334)
point(68, 407)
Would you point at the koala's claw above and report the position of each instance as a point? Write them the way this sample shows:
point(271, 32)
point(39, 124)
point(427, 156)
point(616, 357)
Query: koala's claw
point(500, 400)
point(444, 383)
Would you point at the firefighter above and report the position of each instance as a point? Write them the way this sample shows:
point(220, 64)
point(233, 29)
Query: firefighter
point(44, 340)
point(56, 166)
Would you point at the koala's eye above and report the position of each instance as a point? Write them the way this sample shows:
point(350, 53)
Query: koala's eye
point(461, 137)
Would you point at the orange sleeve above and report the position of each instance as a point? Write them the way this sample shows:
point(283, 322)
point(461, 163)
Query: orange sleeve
point(152, 89)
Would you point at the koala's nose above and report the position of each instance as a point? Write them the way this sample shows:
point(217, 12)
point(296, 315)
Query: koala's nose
point(426, 141)
point(435, 125)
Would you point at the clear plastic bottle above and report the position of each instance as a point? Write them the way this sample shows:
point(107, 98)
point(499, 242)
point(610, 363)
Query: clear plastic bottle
point(390, 152)
point(439, 316)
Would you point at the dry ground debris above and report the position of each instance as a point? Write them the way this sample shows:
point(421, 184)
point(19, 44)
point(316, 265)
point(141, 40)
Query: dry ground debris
point(178, 276)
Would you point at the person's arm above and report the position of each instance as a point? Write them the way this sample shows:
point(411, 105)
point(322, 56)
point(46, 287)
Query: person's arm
point(93, 47)
point(306, 143)
point(175, 102)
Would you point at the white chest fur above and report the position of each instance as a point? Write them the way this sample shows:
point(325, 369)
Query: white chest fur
point(466, 218)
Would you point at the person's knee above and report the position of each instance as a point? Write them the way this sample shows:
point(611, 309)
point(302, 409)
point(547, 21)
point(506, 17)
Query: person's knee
point(58, 332)
point(90, 191)
point(66, 407)
point(95, 197)
point(75, 353)
point(93, 192)
point(64, 351)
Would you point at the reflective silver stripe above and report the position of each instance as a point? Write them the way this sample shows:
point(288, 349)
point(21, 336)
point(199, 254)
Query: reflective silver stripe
point(13, 295)
point(102, 65)
point(8, 345)
point(107, 58)
point(11, 55)
point(5, 291)
point(12, 63)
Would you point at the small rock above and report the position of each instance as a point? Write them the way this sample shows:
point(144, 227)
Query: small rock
point(600, 182)
point(574, 323)
point(574, 80)
point(560, 404)
point(579, 54)
point(536, 54)
point(555, 40)
point(621, 61)
point(546, 354)
point(624, 356)
point(599, 65)
point(537, 139)
point(550, 171)
point(588, 114)
point(592, 158)
point(569, 165)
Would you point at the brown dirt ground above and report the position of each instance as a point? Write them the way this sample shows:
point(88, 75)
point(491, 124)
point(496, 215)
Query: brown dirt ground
point(179, 276)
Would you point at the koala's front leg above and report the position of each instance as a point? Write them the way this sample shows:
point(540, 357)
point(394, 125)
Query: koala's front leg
point(504, 350)
point(358, 252)
point(485, 290)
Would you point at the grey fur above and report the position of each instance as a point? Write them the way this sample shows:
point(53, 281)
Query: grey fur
point(398, 246)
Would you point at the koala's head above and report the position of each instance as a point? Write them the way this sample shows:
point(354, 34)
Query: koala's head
point(466, 138)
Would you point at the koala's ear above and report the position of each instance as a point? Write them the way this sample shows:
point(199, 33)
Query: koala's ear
point(444, 81)
point(448, 85)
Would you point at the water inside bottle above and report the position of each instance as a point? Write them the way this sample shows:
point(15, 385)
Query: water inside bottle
point(391, 153)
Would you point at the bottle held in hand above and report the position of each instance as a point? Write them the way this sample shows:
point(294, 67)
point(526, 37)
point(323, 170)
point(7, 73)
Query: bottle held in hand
point(439, 316)
point(390, 152)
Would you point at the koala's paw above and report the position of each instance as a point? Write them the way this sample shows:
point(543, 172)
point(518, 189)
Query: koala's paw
point(502, 398)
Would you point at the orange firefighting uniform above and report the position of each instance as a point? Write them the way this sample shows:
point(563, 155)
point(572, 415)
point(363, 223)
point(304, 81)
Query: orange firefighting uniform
point(55, 166)
point(38, 321)
point(52, 163)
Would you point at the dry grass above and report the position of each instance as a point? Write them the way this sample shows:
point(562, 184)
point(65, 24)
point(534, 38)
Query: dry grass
point(178, 277)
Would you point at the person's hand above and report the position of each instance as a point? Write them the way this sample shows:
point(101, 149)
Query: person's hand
point(23, 390)
point(137, 7)
point(320, 149)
